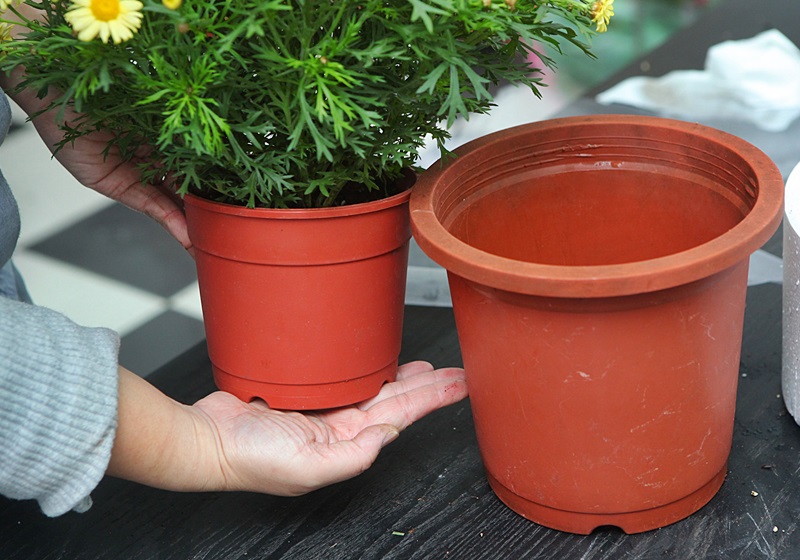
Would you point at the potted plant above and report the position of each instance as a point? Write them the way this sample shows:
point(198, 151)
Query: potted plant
point(295, 115)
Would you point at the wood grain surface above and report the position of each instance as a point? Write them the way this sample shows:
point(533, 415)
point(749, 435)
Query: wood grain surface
point(427, 497)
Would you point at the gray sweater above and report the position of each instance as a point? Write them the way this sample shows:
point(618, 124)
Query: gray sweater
point(58, 388)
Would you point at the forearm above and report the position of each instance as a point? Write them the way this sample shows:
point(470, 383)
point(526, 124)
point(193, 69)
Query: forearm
point(160, 442)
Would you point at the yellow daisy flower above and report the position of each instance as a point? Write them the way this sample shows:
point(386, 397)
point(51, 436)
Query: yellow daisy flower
point(115, 19)
point(172, 4)
point(602, 10)
point(4, 4)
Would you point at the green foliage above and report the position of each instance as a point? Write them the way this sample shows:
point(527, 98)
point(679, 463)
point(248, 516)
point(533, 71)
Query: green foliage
point(295, 103)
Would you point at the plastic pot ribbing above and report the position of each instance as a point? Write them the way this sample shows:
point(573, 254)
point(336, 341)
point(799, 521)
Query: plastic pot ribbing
point(302, 308)
point(598, 270)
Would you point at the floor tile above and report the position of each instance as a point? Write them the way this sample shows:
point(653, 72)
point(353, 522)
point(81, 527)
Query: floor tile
point(49, 197)
point(86, 298)
point(417, 257)
point(159, 341)
point(127, 246)
point(427, 286)
point(187, 301)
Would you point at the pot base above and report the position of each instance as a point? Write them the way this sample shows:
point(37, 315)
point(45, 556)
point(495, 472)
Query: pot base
point(306, 397)
point(584, 523)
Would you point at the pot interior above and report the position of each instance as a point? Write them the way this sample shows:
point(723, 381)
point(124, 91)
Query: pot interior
point(597, 206)
point(578, 214)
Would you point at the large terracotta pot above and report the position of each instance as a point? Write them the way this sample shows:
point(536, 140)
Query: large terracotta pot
point(598, 270)
point(302, 308)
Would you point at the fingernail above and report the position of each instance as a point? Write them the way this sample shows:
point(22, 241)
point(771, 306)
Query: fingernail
point(390, 436)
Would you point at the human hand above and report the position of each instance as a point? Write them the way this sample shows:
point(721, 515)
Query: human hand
point(106, 173)
point(290, 453)
point(120, 180)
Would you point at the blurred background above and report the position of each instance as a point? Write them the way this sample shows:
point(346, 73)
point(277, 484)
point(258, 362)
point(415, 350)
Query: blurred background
point(104, 265)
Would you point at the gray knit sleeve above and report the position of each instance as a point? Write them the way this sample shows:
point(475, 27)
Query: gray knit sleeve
point(58, 406)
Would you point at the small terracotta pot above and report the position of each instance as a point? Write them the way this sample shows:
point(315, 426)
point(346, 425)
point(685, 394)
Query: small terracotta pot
point(598, 270)
point(302, 308)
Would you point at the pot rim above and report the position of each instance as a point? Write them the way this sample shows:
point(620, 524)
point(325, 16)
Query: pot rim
point(649, 275)
point(299, 213)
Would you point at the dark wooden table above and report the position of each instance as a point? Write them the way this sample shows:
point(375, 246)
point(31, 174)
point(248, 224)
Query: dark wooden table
point(426, 497)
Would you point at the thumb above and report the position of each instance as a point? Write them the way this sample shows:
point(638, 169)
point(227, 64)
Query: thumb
point(349, 458)
point(374, 438)
point(353, 457)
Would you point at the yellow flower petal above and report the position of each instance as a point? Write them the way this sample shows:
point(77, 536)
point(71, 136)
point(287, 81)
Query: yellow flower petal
point(117, 20)
point(4, 4)
point(602, 11)
point(5, 32)
point(172, 4)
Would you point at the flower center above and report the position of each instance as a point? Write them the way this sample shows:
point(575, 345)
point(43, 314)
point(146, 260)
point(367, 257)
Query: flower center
point(105, 10)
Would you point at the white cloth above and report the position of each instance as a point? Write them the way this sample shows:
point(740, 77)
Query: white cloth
point(756, 80)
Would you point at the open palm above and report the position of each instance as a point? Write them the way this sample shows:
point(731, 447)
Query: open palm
point(291, 453)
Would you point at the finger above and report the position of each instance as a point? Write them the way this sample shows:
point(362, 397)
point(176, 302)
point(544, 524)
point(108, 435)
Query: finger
point(412, 378)
point(167, 187)
point(259, 404)
point(162, 208)
point(168, 213)
point(412, 368)
point(404, 409)
point(148, 199)
point(174, 221)
point(406, 379)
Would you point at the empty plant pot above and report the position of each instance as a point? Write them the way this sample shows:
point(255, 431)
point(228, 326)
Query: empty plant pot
point(598, 270)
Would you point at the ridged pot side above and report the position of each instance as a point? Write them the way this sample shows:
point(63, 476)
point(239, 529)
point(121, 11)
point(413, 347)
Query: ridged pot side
point(598, 270)
point(302, 308)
